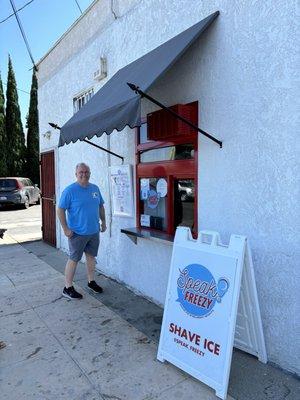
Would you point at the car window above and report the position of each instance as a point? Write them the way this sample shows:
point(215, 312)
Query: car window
point(8, 183)
point(30, 182)
point(25, 182)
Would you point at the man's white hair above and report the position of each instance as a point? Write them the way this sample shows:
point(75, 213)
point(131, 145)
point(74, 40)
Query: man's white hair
point(82, 164)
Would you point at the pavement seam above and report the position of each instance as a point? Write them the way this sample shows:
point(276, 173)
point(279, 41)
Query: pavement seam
point(10, 280)
point(154, 396)
point(67, 352)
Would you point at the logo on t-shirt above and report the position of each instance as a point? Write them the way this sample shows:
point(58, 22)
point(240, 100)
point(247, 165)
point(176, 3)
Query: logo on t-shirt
point(95, 195)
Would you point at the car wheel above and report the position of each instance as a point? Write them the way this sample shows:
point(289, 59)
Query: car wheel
point(26, 203)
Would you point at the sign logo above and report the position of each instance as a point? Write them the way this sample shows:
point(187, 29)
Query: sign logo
point(153, 199)
point(95, 195)
point(198, 291)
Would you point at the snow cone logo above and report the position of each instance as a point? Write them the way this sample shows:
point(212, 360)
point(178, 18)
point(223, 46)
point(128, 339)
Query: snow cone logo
point(198, 291)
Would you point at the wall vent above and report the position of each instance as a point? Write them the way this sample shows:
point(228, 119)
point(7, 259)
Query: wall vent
point(101, 73)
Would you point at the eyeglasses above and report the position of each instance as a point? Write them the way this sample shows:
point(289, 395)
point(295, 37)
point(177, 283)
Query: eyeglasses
point(83, 173)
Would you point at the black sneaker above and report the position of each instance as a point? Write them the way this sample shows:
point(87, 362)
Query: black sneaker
point(71, 293)
point(95, 287)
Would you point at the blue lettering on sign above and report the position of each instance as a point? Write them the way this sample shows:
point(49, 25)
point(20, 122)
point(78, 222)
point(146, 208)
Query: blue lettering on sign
point(198, 291)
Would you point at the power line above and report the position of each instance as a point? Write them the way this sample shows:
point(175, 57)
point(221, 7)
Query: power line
point(22, 32)
point(19, 90)
point(78, 6)
point(11, 15)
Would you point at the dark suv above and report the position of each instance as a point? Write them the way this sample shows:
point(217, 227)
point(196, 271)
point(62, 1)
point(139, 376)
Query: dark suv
point(18, 191)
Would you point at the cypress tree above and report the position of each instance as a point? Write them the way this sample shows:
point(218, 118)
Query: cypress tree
point(3, 149)
point(15, 139)
point(32, 153)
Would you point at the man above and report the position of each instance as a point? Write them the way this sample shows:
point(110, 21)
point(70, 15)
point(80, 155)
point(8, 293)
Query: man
point(84, 205)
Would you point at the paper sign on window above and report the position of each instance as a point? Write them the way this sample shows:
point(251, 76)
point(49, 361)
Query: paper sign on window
point(145, 220)
point(145, 187)
point(162, 187)
point(122, 190)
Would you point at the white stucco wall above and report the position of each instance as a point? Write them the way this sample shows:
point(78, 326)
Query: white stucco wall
point(243, 72)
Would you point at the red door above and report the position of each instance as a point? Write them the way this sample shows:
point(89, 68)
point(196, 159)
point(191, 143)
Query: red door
point(48, 198)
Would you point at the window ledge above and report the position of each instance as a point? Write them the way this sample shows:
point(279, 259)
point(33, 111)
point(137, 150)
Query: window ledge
point(134, 233)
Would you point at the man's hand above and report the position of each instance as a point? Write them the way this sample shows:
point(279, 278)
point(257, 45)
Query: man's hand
point(102, 218)
point(61, 213)
point(103, 226)
point(68, 232)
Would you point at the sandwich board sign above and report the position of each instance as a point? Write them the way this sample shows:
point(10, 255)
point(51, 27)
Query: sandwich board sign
point(211, 305)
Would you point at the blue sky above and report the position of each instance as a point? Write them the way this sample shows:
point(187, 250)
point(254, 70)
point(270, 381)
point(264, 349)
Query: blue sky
point(43, 21)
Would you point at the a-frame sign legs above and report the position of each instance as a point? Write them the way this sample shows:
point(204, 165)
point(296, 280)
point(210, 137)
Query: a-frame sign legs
point(249, 335)
point(211, 304)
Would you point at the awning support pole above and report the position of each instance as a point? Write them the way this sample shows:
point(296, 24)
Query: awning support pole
point(91, 143)
point(137, 90)
point(102, 148)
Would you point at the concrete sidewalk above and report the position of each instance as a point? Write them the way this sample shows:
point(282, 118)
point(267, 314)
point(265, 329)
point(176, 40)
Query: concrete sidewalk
point(102, 347)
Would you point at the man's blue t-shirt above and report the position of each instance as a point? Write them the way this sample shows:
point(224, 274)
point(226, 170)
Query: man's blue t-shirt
point(82, 205)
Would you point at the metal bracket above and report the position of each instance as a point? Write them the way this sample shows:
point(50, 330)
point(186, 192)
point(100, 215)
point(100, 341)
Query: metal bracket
point(132, 238)
point(102, 148)
point(55, 126)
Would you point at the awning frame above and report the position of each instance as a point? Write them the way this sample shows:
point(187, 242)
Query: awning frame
point(55, 126)
point(137, 90)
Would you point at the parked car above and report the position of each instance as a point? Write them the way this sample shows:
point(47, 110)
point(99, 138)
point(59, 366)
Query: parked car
point(18, 191)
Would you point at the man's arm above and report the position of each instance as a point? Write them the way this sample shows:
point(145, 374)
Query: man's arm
point(102, 217)
point(61, 213)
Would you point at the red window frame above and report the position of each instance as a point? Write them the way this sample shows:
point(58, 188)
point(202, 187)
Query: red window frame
point(171, 171)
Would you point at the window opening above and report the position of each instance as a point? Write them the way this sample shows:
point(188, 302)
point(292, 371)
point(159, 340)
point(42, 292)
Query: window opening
point(184, 203)
point(178, 152)
point(166, 181)
point(82, 99)
point(153, 197)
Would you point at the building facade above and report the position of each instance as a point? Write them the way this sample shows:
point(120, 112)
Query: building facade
point(242, 73)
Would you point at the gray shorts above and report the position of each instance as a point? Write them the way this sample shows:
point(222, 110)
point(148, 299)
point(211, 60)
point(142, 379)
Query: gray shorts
point(83, 243)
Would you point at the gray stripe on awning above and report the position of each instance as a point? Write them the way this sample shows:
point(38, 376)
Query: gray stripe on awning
point(115, 105)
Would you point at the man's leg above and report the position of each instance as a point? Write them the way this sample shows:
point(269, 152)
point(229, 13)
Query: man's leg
point(76, 246)
point(70, 272)
point(69, 290)
point(91, 251)
point(90, 265)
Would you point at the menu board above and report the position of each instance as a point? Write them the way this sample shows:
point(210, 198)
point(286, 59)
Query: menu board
point(122, 190)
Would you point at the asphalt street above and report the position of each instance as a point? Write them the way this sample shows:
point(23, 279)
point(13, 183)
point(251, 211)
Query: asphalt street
point(22, 225)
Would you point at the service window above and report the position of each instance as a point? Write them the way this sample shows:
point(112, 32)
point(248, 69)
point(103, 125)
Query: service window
point(166, 180)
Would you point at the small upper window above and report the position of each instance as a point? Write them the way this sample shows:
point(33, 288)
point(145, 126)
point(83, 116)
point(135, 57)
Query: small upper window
point(82, 99)
point(177, 152)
